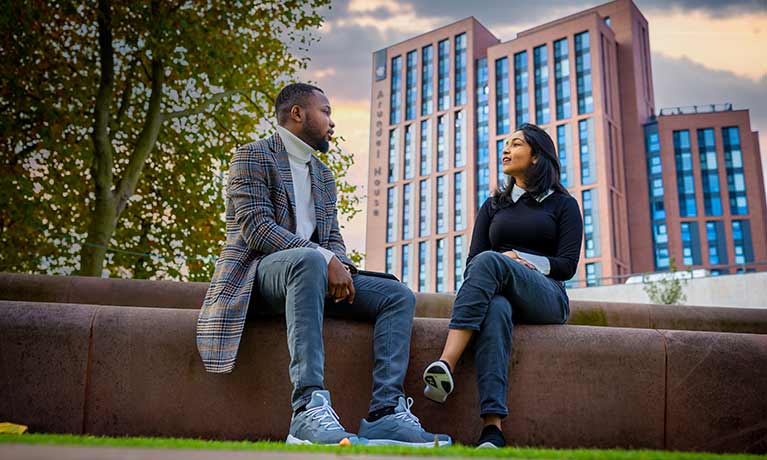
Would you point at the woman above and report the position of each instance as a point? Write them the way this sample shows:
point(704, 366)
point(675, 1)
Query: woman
point(526, 242)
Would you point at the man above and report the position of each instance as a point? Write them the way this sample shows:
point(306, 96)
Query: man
point(284, 254)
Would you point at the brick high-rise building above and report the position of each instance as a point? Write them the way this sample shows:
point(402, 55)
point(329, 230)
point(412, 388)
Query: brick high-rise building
point(444, 102)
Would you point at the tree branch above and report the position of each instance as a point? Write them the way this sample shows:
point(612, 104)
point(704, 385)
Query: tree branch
point(102, 142)
point(202, 107)
point(126, 95)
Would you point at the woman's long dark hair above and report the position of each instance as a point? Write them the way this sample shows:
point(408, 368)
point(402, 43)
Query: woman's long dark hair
point(541, 176)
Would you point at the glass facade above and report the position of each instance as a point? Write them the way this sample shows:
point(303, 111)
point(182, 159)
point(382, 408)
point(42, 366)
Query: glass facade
point(459, 139)
point(406, 265)
point(717, 248)
point(483, 133)
point(458, 263)
point(685, 180)
point(502, 120)
point(565, 150)
point(440, 266)
point(562, 79)
point(583, 73)
point(590, 223)
point(588, 151)
point(411, 85)
point(407, 228)
point(427, 80)
point(499, 159)
point(741, 237)
point(423, 266)
point(460, 70)
point(442, 146)
point(690, 244)
point(390, 260)
point(657, 206)
point(441, 204)
point(393, 175)
point(391, 216)
point(736, 180)
point(395, 113)
point(541, 77)
point(459, 221)
point(712, 200)
point(443, 75)
point(521, 84)
point(424, 199)
point(425, 150)
point(409, 152)
point(593, 274)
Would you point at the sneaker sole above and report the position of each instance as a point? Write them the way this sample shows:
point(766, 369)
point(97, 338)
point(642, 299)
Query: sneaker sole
point(487, 445)
point(296, 441)
point(394, 442)
point(439, 382)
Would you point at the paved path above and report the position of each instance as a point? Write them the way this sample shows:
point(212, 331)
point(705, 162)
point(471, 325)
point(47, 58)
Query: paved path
point(40, 452)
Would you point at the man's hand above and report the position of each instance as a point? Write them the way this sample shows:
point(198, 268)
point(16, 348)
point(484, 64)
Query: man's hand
point(515, 257)
point(340, 284)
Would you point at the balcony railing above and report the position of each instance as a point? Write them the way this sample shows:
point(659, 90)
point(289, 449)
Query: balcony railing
point(693, 109)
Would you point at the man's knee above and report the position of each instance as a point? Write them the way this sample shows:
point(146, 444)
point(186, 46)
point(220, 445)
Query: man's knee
point(403, 296)
point(309, 261)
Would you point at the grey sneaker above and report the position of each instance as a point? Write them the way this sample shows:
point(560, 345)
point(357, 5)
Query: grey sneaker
point(318, 424)
point(401, 428)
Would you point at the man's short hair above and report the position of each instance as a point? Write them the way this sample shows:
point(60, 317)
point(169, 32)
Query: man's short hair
point(293, 94)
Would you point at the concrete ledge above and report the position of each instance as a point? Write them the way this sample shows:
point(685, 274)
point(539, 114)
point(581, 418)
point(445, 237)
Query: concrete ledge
point(170, 294)
point(570, 386)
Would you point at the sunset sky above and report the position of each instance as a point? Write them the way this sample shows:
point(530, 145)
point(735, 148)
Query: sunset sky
point(703, 52)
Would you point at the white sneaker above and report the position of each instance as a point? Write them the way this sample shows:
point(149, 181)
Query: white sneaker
point(438, 380)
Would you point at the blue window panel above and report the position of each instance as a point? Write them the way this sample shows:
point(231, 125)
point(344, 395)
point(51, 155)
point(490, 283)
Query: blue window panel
point(427, 80)
point(717, 244)
point(442, 143)
point(541, 77)
point(499, 152)
point(590, 223)
point(458, 263)
point(424, 204)
point(583, 73)
point(684, 174)
point(712, 201)
point(460, 70)
point(588, 151)
point(743, 246)
point(483, 134)
point(441, 253)
point(521, 93)
point(562, 79)
point(657, 204)
point(391, 216)
point(409, 152)
point(425, 148)
point(395, 113)
point(393, 173)
point(502, 120)
point(411, 86)
point(443, 75)
point(441, 204)
point(690, 244)
point(565, 150)
point(407, 229)
point(736, 179)
point(390, 260)
point(459, 139)
point(459, 221)
point(406, 265)
point(424, 267)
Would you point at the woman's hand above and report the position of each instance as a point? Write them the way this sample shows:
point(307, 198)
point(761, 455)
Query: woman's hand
point(515, 257)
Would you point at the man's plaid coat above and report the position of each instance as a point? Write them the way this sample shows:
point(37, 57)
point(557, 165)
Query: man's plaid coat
point(260, 220)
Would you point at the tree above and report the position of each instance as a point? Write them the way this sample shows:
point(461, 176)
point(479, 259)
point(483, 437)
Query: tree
point(668, 289)
point(118, 120)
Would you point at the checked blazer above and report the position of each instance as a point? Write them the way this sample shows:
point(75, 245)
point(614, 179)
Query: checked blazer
point(260, 220)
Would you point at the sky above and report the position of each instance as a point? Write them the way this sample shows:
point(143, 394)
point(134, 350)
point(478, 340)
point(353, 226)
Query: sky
point(703, 52)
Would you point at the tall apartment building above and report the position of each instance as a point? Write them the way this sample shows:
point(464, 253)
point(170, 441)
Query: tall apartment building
point(444, 102)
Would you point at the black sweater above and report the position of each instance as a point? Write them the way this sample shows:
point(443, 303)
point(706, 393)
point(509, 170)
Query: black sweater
point(552, 228)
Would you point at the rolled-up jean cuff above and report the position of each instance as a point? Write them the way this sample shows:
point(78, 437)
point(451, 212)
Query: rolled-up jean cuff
point(494, 412)
point(463, 326)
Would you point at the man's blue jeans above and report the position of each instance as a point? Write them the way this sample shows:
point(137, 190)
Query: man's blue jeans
point(294, 282)
point(497, 293)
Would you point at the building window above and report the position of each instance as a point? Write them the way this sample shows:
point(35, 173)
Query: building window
point(685, 179)
point(741, 237)
point(395, 113)
point(712, 201)
point(411, 85)
point(425, 148)
point(541, 77)
point(391, 216)
point(459, 200)
point(502, 121)
point(583, 73)
point(608, 21)
point(657, 207)
point(458, 263)
point(443, 87)
point(483, 133)
point(393, 155)
point(460, 69)
point(440, 266)
point(565, 148)
point(588, 151)
point(717, 249)
point(427, 80)
point(407, 229)
point(690, 244)
point(390, 260)
point(593, 274)
point(442, 146)
point(459, 136)
point(736, 179)
point(521, 94)
point(423, 266)
point(409, 152)
point(424, 199)
point(441, 204)
point(499, 153)
point(406, 265)
point(562, 79)
point(590, 223)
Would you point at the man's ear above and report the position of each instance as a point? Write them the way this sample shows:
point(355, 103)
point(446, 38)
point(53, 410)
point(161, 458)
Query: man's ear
point(297, 113)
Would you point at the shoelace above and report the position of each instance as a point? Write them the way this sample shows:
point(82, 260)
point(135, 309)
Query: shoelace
point(408, 416)
point(323, 412)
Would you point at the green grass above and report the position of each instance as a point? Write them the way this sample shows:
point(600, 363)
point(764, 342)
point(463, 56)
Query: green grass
point(455, 451)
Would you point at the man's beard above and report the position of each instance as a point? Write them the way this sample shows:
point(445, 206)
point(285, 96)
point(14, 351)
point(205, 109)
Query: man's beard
point(320, 142)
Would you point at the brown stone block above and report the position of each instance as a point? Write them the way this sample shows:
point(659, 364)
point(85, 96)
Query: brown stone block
point(43, 362)
point(717, 392)
point(570, 386)
point(717, 319)
point(430, 305)
point(612, 314)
